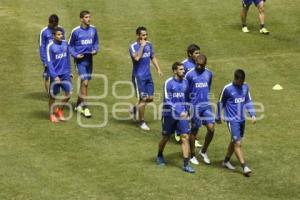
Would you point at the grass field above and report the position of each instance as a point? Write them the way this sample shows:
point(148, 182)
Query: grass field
point(40, 160)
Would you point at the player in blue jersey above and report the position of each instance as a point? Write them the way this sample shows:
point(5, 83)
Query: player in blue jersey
point(45, 38)
point(193, 51)
point(261, 14)
point(84, 44)
point(235, 98)
point(175, 115)
point(58, 62)
point(200, 79)
point(142, 53)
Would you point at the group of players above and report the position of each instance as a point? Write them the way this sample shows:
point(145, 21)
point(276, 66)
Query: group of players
point(186, 94)
point(187, 105)
point(55, 55)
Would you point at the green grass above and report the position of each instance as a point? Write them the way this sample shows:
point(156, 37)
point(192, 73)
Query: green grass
point(39, 160)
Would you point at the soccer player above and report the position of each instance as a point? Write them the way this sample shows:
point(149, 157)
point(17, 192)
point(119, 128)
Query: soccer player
point(234, 98)
point(175, 115)
point(261, 14)
point(45, 38)
point(58, 62)
point(84, 45)
point(141, 53)
point(193, 51)
point(200, 79)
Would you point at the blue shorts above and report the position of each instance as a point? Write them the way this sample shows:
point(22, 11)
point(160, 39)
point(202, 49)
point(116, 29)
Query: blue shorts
point(66, 85)
point(144, 87)
point(202, 115)
point(236, 130)
point(46, 73)
point(247, 3)
point(170, 125)
point(85, 67)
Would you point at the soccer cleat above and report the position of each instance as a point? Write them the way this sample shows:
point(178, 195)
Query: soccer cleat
point(197, 144)
point(160, 161)
point(264, 31)
point(79, 109)
point(228, 165)
point(188, 169)
point(53, 118)
point(205, 157)
point(245, 29)
point(144, 126)
point(246, 171)
point(86, 112)
point(59, 114)
point(177, 137)
point(194, 160)
point(133, 113)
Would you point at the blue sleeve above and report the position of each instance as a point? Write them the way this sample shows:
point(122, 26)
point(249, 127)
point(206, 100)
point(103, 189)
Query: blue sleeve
point(151, 51)
point(50, 63)
point(96, 42)
point(43, 47)
point(249, 104)
point(210, 81)
point(168, 98)
point(72, 42)
point(222, 100)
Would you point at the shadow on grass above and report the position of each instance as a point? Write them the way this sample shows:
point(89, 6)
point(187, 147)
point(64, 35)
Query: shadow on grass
point(38, 96)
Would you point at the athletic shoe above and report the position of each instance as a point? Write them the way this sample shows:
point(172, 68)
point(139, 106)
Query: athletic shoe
point(59, 114)
point(133, 113)
point(264, 31)
point(197, 144)
point(188, 169)
point(228, 165)
point(160, 161)
point(245, 29)
point(247, 171)
point(205, 157)
point(144, 126)
point(86, 112)
point(177, 137)
point(53, 118)
point(79, 109)
point(194, 160)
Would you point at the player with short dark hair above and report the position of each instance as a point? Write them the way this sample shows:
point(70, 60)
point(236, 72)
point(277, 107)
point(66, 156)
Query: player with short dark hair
point(200, 79)
point(58, 63)
point(45, 38)
point(84, 44)
point(235, 98)
point(142, 53)
point(260, 4)
point(175, 115)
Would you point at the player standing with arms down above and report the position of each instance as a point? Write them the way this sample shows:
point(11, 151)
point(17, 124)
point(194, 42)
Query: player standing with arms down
point(175, 115)
point(234, 98)
point(142, 53)
point(200, 79)
point(84, 45)
point(58, 63)
point(46, 36)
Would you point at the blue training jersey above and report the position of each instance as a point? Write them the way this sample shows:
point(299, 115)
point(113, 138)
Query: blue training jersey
point(175, 97)
point(235, 99)
point(83, 41)
point(58, 58)
point(188, 64)
point(199, 87)
point(46, 36)
point(141, 68)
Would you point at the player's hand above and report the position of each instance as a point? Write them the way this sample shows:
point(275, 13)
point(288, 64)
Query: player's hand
point(160, 74)
point(57, 80)
point(253, 120)
point(184, 115)
point(94, 52)
point(79, 56)
point(143, 43)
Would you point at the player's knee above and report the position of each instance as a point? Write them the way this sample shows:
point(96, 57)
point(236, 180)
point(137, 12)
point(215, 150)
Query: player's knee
point(85, 83)
point(149, 99)
point(238, 144)
point(184, 137)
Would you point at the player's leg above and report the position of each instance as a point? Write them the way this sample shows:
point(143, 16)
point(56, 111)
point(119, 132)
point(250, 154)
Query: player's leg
point(245, 7)
point(230, 150)
point(66, 85)
point(261, 15)
point(196, 123)
point(54, 90)
point(46, 78)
